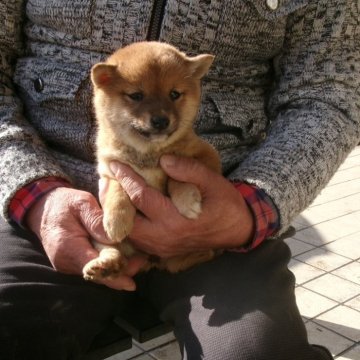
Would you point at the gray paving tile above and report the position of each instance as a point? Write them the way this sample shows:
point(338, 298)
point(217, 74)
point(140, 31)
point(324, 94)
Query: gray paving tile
point(311, 304)
point(319, 335)
point(349, 272)
point(347, 246)
point(354, 303)
point(322, 259)
point(168, 352)
point(331, 230)
point(298, 247)
point(352, 354)
point(159, 341)
point(128, 354)
point(304, 272)
point(333, 287)
point(342, 320)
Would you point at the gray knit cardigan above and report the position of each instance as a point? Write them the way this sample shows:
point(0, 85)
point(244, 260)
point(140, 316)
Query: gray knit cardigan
point(281, 102)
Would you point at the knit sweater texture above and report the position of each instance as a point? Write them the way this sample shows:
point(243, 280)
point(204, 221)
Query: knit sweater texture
point(290, 73)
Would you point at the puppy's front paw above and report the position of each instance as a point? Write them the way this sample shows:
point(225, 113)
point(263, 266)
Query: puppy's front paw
point(109, 264)
point(187, 199)
point(119, 224)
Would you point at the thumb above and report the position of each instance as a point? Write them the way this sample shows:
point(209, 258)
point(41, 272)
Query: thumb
point(91, 217)
point(186, 170)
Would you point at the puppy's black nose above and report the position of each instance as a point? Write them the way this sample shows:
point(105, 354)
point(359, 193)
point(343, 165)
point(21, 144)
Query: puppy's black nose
point(159, 122)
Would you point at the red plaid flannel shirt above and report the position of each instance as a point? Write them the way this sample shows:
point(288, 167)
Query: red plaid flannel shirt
point(29, 194)
point(265, 214)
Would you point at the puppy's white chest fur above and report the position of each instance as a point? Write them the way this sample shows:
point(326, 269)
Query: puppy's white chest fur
point(145, 164)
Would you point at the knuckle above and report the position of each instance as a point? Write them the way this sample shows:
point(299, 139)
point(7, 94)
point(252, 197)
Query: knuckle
point(85, 198)
point(138, 196)
point(82, 201)
point(95, 220)
point(191, 164)
point(98, 218)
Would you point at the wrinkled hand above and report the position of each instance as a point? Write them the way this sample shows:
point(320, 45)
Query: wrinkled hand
point(159, 229)
point(65, 220)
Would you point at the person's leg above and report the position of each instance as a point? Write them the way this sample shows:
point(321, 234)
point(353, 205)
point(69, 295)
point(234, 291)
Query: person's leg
point(45, 314)
point(237, 307)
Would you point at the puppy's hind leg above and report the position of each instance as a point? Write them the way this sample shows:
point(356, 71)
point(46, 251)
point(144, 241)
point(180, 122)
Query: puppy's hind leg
point(108, 264)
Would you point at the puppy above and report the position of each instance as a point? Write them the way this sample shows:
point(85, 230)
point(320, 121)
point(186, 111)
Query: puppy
point(146, 99)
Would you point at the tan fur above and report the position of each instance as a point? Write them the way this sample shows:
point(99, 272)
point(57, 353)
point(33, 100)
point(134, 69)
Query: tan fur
point(126, 133)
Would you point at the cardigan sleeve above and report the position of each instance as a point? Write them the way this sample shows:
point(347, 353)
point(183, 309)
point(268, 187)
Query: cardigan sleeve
point(313, 108)
point(23, 156)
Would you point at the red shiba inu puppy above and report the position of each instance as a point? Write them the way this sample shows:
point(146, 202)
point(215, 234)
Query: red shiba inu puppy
point(146, 99)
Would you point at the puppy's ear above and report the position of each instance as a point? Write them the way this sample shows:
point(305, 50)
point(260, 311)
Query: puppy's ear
point(103, 75)
point(201, 64)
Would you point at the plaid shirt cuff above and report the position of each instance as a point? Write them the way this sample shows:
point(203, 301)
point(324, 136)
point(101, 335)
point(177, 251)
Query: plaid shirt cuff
point(267, 219)
point(29, 194)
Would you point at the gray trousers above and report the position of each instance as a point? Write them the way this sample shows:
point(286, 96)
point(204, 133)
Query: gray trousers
point(236, 307)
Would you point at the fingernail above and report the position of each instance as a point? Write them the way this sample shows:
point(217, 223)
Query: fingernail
point(167, 161)
point(129, 287)
point(114, 167)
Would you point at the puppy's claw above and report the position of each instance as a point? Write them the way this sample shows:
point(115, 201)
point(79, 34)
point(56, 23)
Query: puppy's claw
point(96, 273)
point(191, 211)
point(103, 267)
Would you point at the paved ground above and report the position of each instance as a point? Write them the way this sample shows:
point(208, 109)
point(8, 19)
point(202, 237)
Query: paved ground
point(326, 262)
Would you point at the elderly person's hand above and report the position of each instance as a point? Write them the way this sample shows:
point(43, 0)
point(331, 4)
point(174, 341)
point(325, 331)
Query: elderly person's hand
point(225, 221)
point(65, 220)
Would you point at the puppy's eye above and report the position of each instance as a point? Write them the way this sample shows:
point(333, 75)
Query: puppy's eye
point(136, 96)
point(174, 95)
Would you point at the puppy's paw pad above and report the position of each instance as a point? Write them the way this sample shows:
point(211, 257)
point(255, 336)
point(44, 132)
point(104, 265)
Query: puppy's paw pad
point(100, 268)
point(188, 202)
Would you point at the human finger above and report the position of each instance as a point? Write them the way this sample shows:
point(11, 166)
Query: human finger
point(187, 170)
point(90, 215)
point(151, 202)
point(125, 281)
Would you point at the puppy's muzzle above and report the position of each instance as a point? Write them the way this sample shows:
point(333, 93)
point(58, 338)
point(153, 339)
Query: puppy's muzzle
point(157, 128)
point(159, 123)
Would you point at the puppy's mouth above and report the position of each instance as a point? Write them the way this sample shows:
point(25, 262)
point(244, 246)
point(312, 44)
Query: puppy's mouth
point(152, 134)
point(144, 133)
